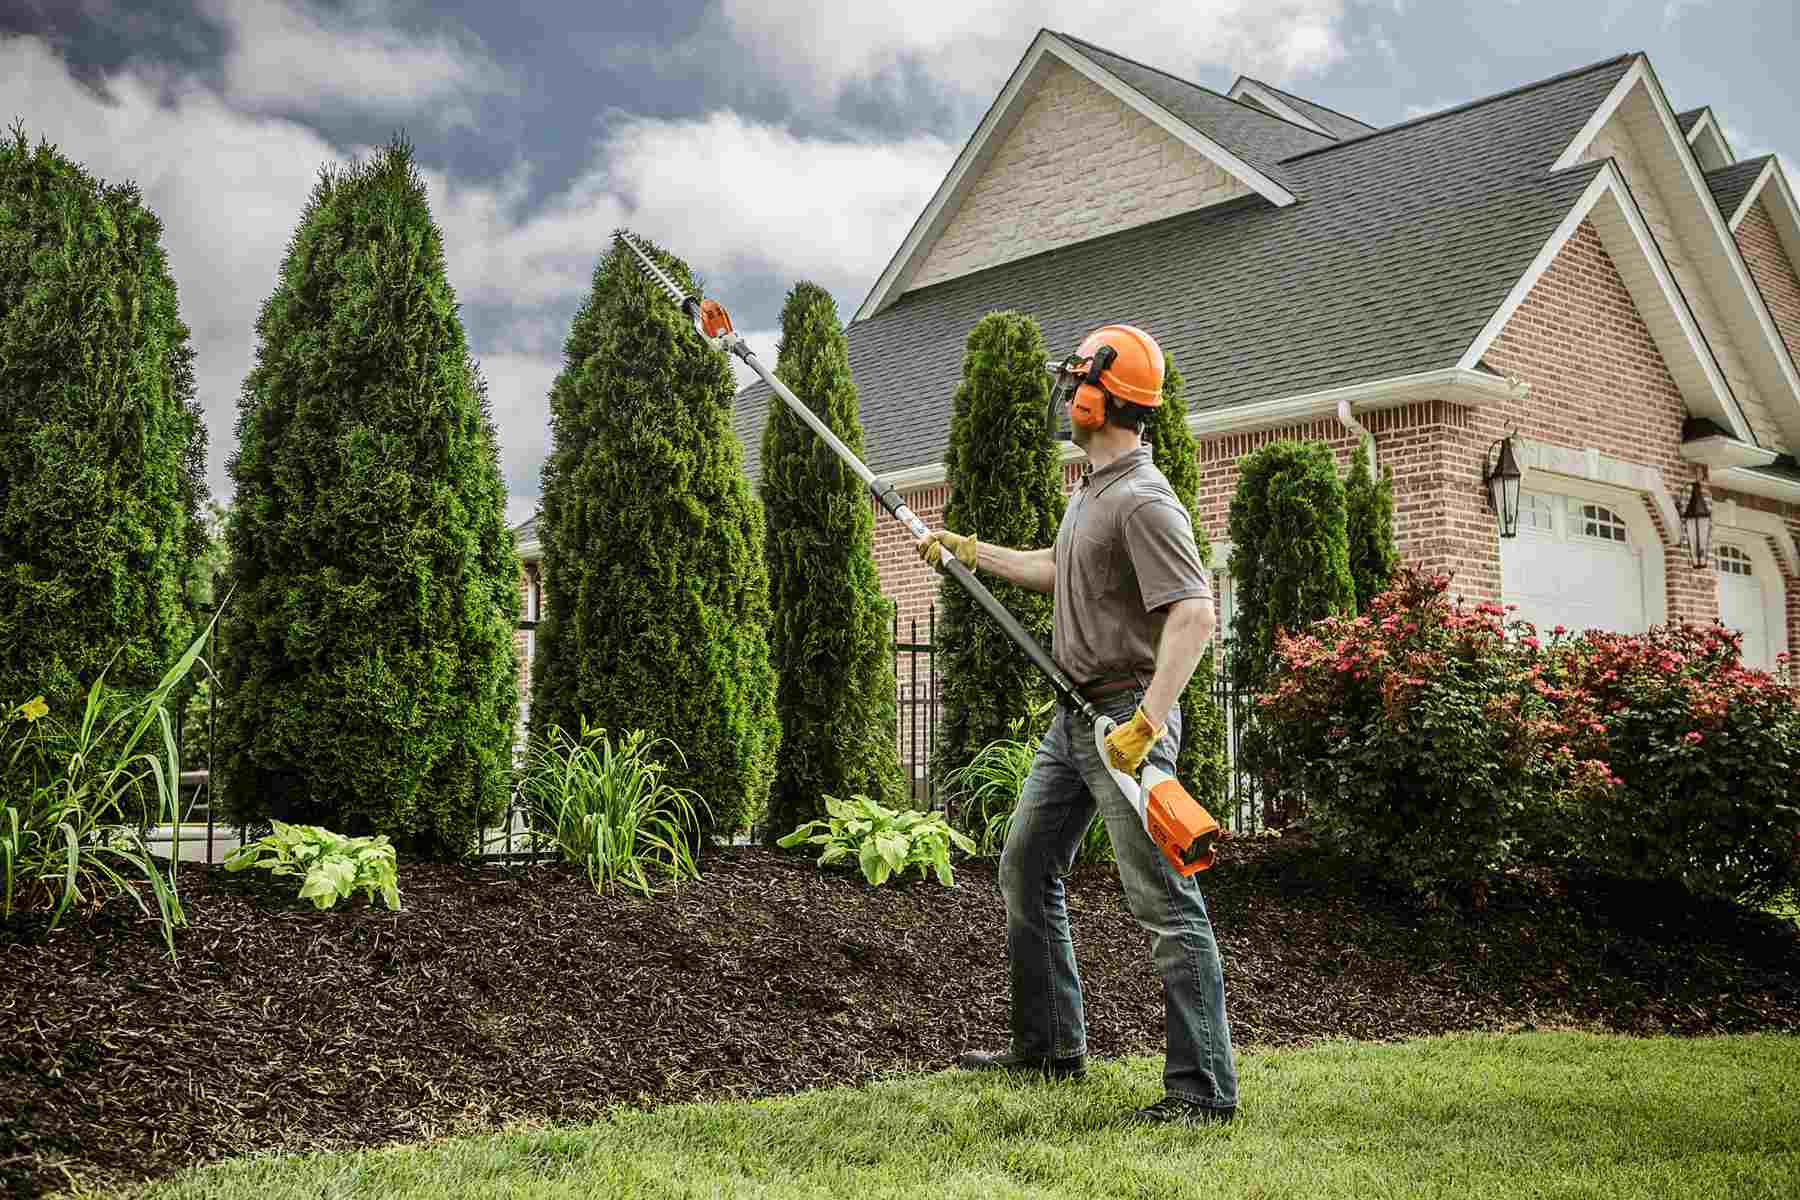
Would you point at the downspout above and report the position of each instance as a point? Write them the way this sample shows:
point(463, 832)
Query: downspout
point(1347, 419)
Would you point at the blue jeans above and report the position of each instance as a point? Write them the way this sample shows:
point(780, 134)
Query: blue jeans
point(1058, 800)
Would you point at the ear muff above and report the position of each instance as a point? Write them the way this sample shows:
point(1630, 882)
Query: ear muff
point(1088, 410)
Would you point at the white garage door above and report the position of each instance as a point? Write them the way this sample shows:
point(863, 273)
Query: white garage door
point(1573, 564)
point(1741, 604)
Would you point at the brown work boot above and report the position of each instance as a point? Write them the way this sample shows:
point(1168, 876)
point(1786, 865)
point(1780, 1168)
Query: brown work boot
point(1072, 1067)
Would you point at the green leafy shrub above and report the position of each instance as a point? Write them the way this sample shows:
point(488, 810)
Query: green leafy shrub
point(102, 443)
point(80, 794)
point(1708, 752)
point(1006, 488)
point(330, 866)
point(830, 637)
point(1423, 738)
point(657, 589)
point(369, 678)
point(1369, 528)
point(1201, 763)
point(609, 809)
point(884, 841)
point(1290, 561)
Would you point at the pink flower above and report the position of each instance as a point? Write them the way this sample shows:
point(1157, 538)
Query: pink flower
point(1693, 738)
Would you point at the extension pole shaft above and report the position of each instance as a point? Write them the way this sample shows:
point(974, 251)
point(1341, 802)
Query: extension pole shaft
point(730, 341)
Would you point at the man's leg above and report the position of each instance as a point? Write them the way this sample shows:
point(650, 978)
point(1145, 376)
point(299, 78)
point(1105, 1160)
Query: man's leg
point(1047, 826)
point(1198, 1067)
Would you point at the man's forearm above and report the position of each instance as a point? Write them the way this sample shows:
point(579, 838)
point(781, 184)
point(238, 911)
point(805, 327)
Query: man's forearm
point(1034, 569)
point(1184, 641)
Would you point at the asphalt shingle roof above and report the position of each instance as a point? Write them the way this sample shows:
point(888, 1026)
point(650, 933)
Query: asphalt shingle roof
point(1402, 245)
point(1340, 125)
point(1686, 120)
point(1253, 135)
point(1728, 184)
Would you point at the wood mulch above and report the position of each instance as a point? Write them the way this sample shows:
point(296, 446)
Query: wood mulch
point(497, 996)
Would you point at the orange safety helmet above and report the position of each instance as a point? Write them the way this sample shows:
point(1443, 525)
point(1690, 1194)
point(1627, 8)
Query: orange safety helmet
point(1120, 362)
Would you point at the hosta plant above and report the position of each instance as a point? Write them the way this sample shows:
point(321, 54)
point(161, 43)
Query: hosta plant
point(609, 809)
point(330, 865)
point(884, 841)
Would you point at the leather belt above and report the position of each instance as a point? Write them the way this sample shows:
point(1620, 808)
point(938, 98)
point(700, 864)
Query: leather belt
point(1099, 689)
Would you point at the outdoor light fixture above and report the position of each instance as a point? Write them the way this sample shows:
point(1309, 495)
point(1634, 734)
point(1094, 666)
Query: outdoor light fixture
point(1503, 484)
point(1696, 525)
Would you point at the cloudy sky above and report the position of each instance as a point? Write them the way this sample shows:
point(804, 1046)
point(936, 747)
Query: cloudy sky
point(763, 140)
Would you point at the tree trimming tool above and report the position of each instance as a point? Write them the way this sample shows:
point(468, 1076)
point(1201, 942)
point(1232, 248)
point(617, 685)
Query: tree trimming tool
point(1181, 828)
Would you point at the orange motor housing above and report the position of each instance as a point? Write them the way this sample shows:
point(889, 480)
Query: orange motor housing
point(1181, 828)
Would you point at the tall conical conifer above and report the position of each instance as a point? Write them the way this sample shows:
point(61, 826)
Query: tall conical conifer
point(1201, 762)
point(102, 444)
point(1006, 488)
point(656, 588)
point(832, 627)
point(1369, 525)
point(370, 683)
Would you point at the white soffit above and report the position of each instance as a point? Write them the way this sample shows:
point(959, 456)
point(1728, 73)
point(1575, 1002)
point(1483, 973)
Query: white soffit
point(1639, 261)
point(1002, 115)
point(1642, 109)
point(1709, 143)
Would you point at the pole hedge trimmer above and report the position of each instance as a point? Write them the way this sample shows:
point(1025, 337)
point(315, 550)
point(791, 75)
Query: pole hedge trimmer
point(1181, 828)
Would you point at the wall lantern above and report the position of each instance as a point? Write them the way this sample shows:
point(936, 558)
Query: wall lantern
point(1696, 525)
point(1502, 476)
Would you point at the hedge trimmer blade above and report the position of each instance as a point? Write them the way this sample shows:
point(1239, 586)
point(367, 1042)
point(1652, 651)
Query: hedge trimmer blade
point(711, 321)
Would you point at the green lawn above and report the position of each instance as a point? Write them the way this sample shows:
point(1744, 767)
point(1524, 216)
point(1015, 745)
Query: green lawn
point(1542, 1114)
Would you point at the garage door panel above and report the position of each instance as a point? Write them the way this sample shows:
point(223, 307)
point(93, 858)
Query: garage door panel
point(1557, 576)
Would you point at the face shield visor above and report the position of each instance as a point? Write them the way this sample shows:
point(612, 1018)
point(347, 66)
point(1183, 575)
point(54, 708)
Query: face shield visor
point(1068, 377)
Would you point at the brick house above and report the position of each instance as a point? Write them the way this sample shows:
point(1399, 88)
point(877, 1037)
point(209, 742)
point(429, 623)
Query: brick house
point(1572, 263)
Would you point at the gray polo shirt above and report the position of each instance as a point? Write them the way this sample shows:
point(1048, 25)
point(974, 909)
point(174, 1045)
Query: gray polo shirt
point(1124, 551)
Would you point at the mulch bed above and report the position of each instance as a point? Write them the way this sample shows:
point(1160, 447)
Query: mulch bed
point(497, 996)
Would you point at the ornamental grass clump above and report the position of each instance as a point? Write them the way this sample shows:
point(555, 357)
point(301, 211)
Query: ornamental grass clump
point(1423, 740)
point(609, 809)
point(1707, 752)
point(990, 786)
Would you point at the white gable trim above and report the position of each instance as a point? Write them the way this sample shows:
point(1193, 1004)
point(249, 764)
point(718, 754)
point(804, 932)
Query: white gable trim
point(1641, 72)
point(1708, 128)
point(1001, 116)
point(1749, 199)
point(1609, 184)
point(1276, 105)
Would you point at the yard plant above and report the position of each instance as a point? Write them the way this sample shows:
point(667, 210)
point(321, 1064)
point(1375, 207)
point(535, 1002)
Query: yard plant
point(990, 786)
point(657, 591)
point(609, 809)
point(369, 679)
point(883, 841)
point(1005, 480)
point(330, 866)
point(830, 627)
point(102, 446)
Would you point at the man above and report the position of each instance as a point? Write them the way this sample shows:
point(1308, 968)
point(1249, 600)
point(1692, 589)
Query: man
point(1133, 614)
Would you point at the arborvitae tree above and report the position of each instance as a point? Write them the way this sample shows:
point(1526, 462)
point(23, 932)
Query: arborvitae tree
point(1201, 762)
point(370, 682)
point(102, 445)
point(831, 629)
point(1290, 560)
point(1369, 525)
point(657, 589)
point(1006, 489)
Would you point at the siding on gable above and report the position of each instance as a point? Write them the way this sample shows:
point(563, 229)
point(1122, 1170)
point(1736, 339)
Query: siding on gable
point(1774, 274)
point(1078, 164)
point(1612, 142)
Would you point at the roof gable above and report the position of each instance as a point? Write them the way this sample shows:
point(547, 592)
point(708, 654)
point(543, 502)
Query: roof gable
point(1168, 108)
point(1701, 129)
point(1730, 185)
point(1638, 108)
point(1317, 117)
point(1410, 238)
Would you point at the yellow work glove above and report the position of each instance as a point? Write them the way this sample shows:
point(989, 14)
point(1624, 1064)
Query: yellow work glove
point(963, 547)
point(1128, 745)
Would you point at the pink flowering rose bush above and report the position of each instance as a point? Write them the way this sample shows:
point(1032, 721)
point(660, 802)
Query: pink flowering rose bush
point(1707, 752)
point(1442, 742)
point(1419, 739)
